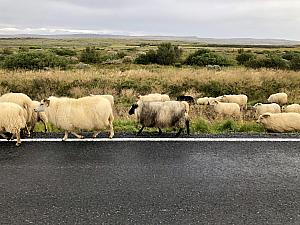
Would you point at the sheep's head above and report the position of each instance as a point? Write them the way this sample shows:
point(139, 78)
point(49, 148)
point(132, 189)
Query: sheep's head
point(44, 103)
point(133, 108)
point(262, 118)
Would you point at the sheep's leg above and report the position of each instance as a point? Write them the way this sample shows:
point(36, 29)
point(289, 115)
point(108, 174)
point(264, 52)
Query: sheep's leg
point(96, 134)
point(27, 130)
point(66, 135)
point(187, 124)
point(159, 131)
point(18, 138)
point(45, 125)
point(140, 131)
point(111, 128)
point(179, 132)
point(4, 136)
point(77, 135)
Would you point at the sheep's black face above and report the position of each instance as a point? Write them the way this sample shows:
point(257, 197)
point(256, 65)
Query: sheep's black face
point(133, 107)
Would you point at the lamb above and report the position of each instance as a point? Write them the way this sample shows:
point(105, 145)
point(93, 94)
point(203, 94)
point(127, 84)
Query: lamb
point(279, 98)
point(90, 113)
point(162, 115)
point(187, 98)
point(224, 109)
point(12, 120)
point(280, 122)
point(154, 97)
point(291, 108)
point(213, 67)
point(260, 109)
point(241, 100)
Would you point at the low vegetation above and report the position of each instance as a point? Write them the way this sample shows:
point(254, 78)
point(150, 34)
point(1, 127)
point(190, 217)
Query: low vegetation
point(127, 69)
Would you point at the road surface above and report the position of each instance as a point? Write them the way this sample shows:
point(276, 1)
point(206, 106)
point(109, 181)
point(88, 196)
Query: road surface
point(150, 182)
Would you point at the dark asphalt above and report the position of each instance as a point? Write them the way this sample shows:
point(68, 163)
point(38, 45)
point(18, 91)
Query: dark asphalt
point(150, 183)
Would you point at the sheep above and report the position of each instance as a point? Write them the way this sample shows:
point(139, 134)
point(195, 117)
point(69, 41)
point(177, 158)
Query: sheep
point(207, 100)
point(260, 109)
point(213, 67)
point(110, 98)
point(188, 99)
point(241, 100)
point(162, 115)
point(38, 117)
point(87, 113)
point(280, 122)
point(279, 98)
point(224, 109)
point(25, 102)
point(154, 97)
point(291, 108)
point(12, 120)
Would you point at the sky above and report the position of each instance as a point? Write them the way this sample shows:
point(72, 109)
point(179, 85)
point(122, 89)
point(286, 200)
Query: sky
point(201, 18)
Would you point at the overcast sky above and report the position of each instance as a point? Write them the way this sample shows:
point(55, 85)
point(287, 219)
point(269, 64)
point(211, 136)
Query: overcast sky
point(202, 18)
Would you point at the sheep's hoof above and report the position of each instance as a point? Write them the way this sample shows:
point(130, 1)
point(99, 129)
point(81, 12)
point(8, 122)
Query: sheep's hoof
point(110, 136)
point(64, 139)
point(81, 137)
point(18, 144)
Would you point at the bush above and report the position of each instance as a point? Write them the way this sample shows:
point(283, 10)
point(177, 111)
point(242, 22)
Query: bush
point(90, 55)
point(166, 54)
point(295, 63)
point(64, 52)
point(149, 58)
point(272, 61)
point(244, 57)
point(34, 60)
point(204, 57)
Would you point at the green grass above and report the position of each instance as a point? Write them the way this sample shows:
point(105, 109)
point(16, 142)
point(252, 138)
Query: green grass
point(197, 126)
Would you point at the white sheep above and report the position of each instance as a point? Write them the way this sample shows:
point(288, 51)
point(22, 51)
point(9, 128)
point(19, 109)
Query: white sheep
point(280, 122)
point(224, 109)
point(91, 113)
point(207, 100)
point(260, 109)
point(110, 98)
point(162, 114)
point(12, 120)
point(291, 108)
point(25, 102)
point(38, 117)
point(241, 100)
point(279, 98)
point(156, 97)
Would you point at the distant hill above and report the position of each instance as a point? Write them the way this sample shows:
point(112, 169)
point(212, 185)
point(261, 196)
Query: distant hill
point(217, 41)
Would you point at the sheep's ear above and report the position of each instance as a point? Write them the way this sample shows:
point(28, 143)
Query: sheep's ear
point(47, 102)
point(266, 115)
point(138, 97)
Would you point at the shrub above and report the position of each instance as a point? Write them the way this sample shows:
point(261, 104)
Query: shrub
point(34, 60)
point(244, 57)
point(7, 51)
point(200, 126)
point(166, 54)
point(89, 55)
point(148, 58)
point(272, 61)
point(64, 52)
point(295, 63)
point(204, 57)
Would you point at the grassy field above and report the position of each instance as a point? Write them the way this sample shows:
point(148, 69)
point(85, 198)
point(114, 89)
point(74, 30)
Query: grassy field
point(126, 81)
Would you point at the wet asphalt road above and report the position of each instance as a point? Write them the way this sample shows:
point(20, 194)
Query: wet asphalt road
point(150, 183)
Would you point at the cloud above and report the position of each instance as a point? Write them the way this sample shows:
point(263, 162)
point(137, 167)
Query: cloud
point(214, 18)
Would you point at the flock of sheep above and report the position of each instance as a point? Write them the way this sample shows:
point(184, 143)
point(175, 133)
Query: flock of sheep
point(95, 112)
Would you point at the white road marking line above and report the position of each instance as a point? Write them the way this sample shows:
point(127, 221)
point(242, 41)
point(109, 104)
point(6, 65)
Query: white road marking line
point(161, 140)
